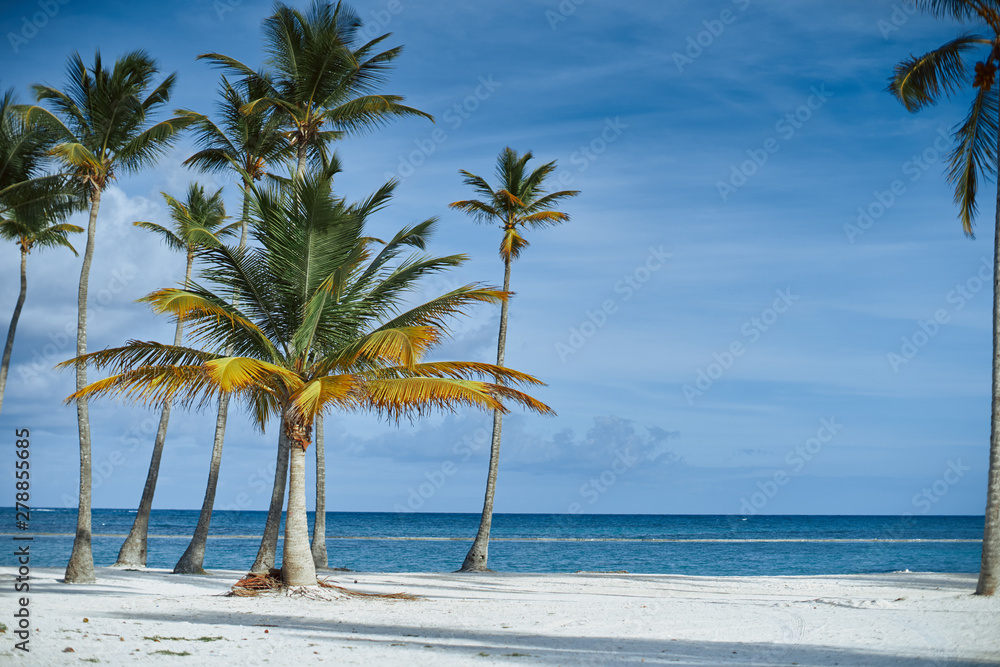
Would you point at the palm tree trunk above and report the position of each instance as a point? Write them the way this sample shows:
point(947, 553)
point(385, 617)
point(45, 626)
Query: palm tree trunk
point(192, 561)
point(320, 558)
point(989, 571)
point(9, 346)
point(269, 542)
point(133, 551)
point(476, 559)
point(300, 168)
point(297, 568)
point(80, 569)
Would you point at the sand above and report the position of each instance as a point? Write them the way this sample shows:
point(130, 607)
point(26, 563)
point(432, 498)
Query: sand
point(554, 619)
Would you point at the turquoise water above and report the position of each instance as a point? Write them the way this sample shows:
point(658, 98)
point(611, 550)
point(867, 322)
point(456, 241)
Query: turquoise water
point(697, 545)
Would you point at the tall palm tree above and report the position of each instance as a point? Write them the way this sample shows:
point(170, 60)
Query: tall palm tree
point(199, 222)
point(31, 202)
point(247, 144)
point(322, 76)
point(28, 233)
point(103, 117)
point(519, 202)
point(318, 327)
point(322, 80)
point(919, 82)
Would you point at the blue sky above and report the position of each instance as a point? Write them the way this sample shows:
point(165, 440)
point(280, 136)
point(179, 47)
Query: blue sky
point(764, 301)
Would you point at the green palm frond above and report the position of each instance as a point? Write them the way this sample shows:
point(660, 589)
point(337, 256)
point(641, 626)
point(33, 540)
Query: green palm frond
point(975, 154)
point(920, 81)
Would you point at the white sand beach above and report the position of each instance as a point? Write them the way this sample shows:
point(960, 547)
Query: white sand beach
point(554, 619)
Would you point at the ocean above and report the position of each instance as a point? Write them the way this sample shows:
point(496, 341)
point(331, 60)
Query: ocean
point(636, 543)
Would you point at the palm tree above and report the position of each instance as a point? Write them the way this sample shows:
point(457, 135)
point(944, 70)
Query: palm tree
point(520, 201)
point(318, 327)
point(24, 153)
point(30, 201)
point(199, 222)
point(919, 82)
point(28, 233)
point(248, 144)
point(103, 120)
point(321, 79)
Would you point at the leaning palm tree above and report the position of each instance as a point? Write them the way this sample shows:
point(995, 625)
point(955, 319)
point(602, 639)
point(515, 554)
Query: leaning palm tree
point(103, 119)
point(199, 222)
point(520, 201)
point(247, 144)
point(31, 202)
point(322, 80)
point(970, 60)
point(318, 327)
point(28, 233)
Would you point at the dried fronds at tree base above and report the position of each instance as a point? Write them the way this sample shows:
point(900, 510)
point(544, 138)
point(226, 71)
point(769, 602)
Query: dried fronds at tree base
point(253, 585)
point(358, 594)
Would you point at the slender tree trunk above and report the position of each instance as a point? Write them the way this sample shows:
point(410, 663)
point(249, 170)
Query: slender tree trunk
point(80, 569)
point(269, 542)
point(268, 550)
point(300, 168)
point(989, 571)
point(133, 551)
point(476, 559)
point(297, 568)
point(319, 524)
point(9, 346)
point(192, 561)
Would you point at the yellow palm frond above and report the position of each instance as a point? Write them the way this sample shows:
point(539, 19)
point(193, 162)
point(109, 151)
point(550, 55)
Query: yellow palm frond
point(154, 385)
point(512, 244)
point(239, 373)
point(417, 396)
point(471, 370)
point(398, 346)
point(509, 199)
point(187, 305)
point(315, 396)
point(79, 157)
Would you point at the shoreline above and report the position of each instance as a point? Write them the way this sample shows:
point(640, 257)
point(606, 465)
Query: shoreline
point(154, 616)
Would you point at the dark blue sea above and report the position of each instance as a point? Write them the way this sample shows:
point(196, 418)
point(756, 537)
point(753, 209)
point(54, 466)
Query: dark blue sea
point(636, 543)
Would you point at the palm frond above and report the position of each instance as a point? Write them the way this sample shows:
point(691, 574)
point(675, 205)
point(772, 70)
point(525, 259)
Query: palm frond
point(920, 81)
